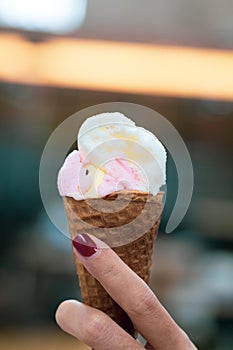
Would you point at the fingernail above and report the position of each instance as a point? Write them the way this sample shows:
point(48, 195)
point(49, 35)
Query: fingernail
point(84, 245)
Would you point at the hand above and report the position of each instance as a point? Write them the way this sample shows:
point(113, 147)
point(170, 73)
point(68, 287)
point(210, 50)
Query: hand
point(99, 331)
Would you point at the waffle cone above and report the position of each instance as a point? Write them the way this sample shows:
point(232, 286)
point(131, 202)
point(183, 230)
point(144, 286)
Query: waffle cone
point(128, 222)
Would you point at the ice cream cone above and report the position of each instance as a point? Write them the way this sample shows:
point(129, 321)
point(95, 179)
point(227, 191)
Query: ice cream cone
point(129, 224)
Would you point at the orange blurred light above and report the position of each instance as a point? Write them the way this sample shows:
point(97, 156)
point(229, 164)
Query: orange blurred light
point(117, 66)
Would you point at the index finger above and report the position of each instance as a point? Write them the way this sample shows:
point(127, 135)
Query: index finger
point(132, 294)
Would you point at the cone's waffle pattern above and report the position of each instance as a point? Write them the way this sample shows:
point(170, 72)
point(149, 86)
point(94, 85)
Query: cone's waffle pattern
point(86, 216)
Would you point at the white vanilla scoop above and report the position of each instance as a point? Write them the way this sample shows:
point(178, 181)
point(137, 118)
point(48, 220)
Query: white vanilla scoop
point(106, 138)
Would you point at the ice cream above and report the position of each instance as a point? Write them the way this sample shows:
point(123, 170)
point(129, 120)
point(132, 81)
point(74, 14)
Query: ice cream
point(120, 166)
point(114, 154)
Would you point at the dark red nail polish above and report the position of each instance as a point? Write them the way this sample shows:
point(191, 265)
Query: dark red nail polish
point(84, 245)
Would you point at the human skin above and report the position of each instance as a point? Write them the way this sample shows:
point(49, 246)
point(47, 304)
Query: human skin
point(99, 331)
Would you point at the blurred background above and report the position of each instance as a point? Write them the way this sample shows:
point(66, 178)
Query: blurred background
point(58, 57)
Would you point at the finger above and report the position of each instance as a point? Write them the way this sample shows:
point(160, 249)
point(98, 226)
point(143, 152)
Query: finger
point(93, 327)
point(131, 293)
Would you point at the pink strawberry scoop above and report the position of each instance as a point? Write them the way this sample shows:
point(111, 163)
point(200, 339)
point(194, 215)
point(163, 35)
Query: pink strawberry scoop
point(75, 180)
